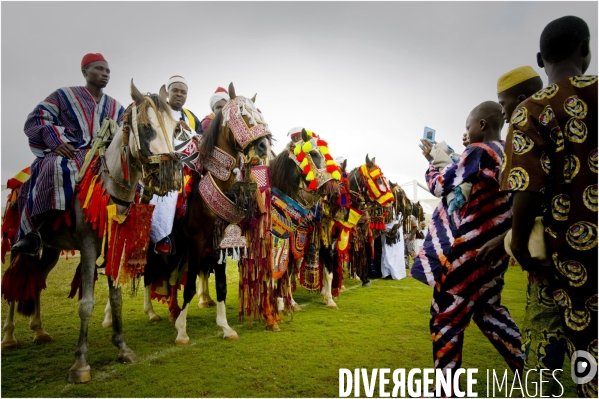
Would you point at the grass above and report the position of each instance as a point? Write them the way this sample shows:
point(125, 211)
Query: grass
point(384, 326)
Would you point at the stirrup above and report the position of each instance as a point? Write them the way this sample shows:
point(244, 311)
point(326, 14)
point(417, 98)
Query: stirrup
point(26, 244)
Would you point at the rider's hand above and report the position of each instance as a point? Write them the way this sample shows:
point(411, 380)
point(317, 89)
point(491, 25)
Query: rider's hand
point(465, 140)
point(426, 148)
point(65, 150)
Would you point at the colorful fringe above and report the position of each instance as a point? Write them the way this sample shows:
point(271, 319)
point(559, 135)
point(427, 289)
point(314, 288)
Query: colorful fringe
point(22, 281)
point(126, 237)
point(254, 273)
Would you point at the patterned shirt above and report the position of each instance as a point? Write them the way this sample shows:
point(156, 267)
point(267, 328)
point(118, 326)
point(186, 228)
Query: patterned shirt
point(553, 137)
point(553, 150)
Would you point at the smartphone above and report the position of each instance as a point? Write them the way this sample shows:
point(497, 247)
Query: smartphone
point(429, 134)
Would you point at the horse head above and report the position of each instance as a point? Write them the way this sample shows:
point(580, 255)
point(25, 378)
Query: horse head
point(370, 190)
point(238, 127)
point(306, 171)
point(151, 130)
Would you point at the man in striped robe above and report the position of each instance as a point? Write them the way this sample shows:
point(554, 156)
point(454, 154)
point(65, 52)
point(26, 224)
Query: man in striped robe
point(467, 289)
point(60, 130)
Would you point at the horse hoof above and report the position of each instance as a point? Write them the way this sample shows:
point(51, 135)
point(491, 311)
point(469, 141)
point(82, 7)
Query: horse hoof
point(334, 307)
point(182, 341)
point(366, 284)
point(232, 338)
point(42, 338)
point(296, 308)
point(107, 323)
point(8, 344)
point(155, 317)
point(273, 328)
point(127, 356)
point(80, 376)
point(342, 288)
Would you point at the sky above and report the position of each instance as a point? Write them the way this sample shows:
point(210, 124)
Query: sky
point(367, 77)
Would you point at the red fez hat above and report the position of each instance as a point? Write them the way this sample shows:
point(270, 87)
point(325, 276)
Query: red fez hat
point(91, 57)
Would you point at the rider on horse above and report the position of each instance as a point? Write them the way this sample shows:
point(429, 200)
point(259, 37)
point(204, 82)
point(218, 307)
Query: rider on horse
point(60, 131)
point(164, 213)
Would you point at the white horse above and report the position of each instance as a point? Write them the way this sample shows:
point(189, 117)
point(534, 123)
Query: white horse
point(149, 144)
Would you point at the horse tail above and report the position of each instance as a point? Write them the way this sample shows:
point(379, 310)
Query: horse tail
point(22, 282)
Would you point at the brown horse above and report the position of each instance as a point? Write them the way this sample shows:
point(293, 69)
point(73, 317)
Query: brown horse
point(239, 137)
point(288, 178)
point(372, 196)
point(147, 144)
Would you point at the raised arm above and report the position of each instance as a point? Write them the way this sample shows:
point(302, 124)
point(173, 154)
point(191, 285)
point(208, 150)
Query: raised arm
point(441, 183)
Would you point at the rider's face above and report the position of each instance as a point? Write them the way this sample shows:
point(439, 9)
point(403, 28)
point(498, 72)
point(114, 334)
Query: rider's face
point(177, 95)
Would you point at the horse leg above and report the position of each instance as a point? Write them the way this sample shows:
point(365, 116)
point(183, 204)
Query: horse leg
point(126, 355)
point(9, 341)
point(148, 307)
point(281, 300)
point(203, 291)
point(221, 296)
point(80, 371)
point(48, 260)
point(35, 324)
point(173, 303)
point(107, 314)
point(327, 290)
point(193, 265)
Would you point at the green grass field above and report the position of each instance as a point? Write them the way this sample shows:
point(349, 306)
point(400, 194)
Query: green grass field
point(383, 326)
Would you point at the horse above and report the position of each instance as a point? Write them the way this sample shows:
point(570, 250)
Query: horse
point(291, 178)
point(226, 140)
point(238, 138)
point(371, 198)
point(141, 149)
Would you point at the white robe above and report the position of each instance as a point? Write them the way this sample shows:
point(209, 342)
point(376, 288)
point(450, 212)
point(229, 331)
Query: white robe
point(163, 216)
point(392, 260)
point(166, 207)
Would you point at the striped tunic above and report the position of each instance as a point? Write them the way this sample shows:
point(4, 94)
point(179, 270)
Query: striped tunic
point(466, 290)
point(68, 115)
point(453, 240)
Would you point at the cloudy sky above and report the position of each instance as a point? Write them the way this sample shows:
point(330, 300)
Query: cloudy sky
point(367, 77)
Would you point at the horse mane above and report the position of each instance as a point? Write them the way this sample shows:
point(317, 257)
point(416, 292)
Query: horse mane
point(210, 137)
point(161, 106)
point(285, 175)
point(351, 177)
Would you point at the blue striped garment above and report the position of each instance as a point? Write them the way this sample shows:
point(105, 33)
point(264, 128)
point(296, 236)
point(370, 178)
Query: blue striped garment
point(453, 240)
point(68, 115)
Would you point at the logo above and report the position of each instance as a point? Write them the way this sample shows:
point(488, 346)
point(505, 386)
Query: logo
point(583, 368)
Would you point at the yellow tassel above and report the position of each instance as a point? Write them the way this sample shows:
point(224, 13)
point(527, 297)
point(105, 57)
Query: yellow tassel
point(310, 133)
point(324, 150)
point(331, 162)
point(310, 176)
point(336, 175)
point(90, 191)
point(296, 150)
point(307, 147)
point(304, 163)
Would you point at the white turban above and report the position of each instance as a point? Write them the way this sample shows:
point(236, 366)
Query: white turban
point(176, 79)
point(219, 94)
